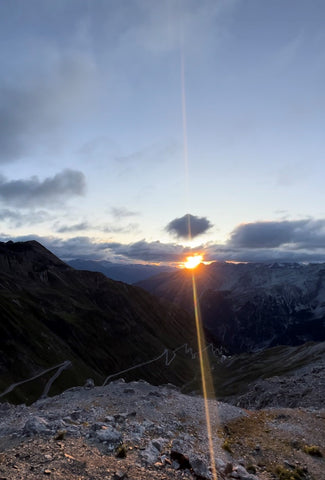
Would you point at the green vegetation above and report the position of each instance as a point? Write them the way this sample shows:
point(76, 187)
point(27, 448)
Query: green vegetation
point(313, 450)
point(226, 446)
point(286, 474)
point(121, 451)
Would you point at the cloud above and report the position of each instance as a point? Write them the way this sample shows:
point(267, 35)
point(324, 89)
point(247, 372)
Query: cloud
point(87, 247)
point(299, 234)
point(161, 152)
point(17, 219)
point(263, 255)
point(188, 225)
point(159, 27)
point(106, 228)
point(34, 115)
point(129, 228)
point(122, 212)
point(75, 247)
point(33, 192)
point(73, 228)
point(150, 251)
point(307, 244)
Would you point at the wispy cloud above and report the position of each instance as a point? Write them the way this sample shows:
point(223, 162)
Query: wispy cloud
point(157, 153)
point(122, 212)
point(76, 227)
point(150, 251)
point(18, 219)
point(88, 226)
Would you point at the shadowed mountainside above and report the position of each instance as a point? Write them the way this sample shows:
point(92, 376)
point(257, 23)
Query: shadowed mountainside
point(51, 313)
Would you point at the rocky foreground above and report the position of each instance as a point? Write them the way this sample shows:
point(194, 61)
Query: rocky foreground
point(139, 431)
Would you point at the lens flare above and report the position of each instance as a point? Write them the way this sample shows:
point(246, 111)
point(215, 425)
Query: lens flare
point(193, 261)
point(206, 377)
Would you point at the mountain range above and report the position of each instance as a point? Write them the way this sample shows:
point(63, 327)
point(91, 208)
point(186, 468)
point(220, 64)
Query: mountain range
point(62, 326)
point(248, 307)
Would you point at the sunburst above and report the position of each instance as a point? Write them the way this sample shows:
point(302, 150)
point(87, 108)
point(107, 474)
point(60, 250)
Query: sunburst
point(193, 261)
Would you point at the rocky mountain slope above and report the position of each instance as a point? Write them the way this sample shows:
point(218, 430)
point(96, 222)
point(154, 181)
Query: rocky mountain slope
point(51, 313)
point(247, 307)
point(260, 376)
point(138, 431)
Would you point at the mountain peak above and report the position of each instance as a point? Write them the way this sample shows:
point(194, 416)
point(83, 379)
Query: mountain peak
point(26, 257)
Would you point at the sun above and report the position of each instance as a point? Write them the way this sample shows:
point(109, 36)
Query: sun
point(193, 261)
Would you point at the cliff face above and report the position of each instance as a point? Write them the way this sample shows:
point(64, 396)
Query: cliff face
point(50, 313)
point(251, 306)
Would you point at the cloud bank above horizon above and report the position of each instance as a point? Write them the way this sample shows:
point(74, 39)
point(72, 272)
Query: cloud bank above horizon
point(282, 241)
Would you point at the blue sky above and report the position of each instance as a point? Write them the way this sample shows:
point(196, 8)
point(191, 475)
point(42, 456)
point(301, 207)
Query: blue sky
point(93, 158)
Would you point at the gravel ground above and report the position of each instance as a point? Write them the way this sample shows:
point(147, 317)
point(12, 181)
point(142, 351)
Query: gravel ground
point(139, 431)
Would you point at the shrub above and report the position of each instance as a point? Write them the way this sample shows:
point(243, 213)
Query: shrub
point(286, 474)
point(226, 446)
point(313, 450)
point(121, 451)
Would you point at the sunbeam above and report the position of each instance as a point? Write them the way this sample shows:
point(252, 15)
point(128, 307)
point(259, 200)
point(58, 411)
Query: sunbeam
point(191, 263)
point(207, 383)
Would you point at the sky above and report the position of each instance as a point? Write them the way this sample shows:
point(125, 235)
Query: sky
point(122, 122)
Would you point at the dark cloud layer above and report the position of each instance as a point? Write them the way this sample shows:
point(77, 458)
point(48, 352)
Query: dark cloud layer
point(34, 192)
point(305, 233)
point(188, 226)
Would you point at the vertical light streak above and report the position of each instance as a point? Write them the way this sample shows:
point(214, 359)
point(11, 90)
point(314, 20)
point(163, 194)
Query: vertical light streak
point(185, 141)
point(206, 377)
point(207, 384)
